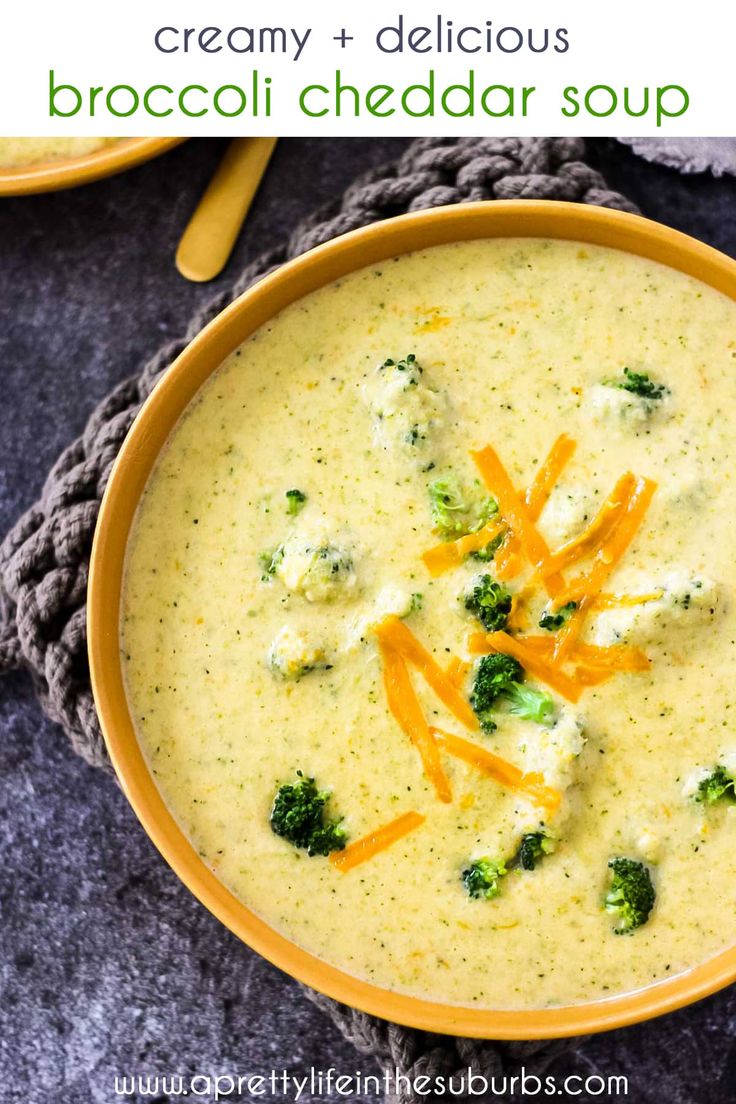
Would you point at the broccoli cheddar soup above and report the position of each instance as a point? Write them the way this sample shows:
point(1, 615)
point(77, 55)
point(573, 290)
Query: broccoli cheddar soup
point(428, 623)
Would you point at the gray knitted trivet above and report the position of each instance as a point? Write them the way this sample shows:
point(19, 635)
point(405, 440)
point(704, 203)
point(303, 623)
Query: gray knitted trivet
point(44, 559)
point(688, 155)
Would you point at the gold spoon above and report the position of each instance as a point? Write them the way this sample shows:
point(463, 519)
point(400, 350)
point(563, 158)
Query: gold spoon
point(213, 229)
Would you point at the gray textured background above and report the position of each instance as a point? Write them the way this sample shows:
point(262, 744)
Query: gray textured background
point(107, 964)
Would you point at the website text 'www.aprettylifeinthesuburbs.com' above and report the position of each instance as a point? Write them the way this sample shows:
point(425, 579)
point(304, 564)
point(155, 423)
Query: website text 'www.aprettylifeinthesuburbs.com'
point(331, 1083)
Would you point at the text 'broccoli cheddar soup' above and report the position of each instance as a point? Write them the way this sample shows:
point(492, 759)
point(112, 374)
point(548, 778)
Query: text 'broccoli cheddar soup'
point(428, 619)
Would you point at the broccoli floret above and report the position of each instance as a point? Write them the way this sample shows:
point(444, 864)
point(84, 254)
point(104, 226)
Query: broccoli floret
point(448, 506)
point(483, 877)
point(533, 847)
point(332, 561)
point(493, 675)
point(483, 510)
point(298, 815)
point(500, 677)
point(408, 364)
point(639, 383)
point(631, 896)
point(295, 500)
point(407, 410)
point(532, 705)
point(293, 654)
point(552, 621)
point(417, 601)
point(313, 563)
point(269, 562)
point(485, 555)
point(490, 602)
point(455, 513)
point(719, 785)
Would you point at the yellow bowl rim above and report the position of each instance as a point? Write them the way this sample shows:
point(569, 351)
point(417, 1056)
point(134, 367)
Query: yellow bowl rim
point(69, 172)
point(358, 249)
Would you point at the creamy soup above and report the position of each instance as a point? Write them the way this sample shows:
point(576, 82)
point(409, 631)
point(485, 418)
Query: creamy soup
point(17, 152)
point(446, 423)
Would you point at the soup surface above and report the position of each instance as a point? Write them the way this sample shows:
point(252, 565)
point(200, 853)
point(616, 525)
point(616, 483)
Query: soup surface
point(265, 634)
point(17, 152)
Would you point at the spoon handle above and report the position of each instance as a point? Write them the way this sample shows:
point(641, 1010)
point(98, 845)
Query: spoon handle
point(215, 225)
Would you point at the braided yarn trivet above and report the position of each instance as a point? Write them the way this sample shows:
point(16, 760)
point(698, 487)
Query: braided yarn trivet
point(44, 560)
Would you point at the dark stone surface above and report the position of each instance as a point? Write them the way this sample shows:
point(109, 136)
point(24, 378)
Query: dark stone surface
point(107, 964)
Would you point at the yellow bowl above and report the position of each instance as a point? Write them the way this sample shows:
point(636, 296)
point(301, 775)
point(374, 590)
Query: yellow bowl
point(128, 479)
point(52, 176)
